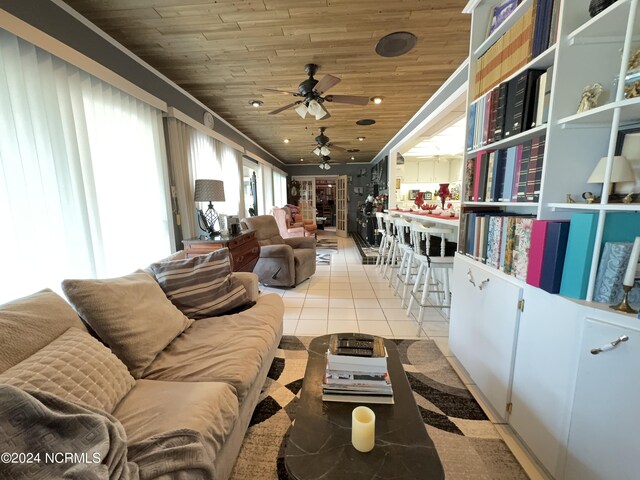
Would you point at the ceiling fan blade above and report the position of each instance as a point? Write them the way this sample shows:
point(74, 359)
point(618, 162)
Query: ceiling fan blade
point(282, 109)
point(336, 147)
point(326, 83)
point(284, 92)
point(350, 99)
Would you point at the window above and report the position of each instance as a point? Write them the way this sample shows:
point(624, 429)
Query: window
point(279, 188)
point(81, 173)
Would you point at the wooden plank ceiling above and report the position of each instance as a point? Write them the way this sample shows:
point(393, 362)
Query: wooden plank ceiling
point(226, 52)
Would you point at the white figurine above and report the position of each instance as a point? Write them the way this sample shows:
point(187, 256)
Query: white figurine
point(590, 95)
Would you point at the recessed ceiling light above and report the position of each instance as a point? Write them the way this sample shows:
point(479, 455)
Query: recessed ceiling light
point(396, 44)
point(353, 158)
point(286, 140)
point(360, 139)
point(256, 103)
point(377, 100)
point(302, 159)
point(366, 121)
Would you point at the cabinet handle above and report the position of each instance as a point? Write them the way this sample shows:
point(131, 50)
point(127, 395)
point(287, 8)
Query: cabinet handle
point(470, 278)
point(609, 346)
point(483, 283)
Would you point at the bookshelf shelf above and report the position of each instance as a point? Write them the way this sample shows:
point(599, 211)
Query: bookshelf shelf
point(511, 141)
point(502, 204)
point(603, 115)
point(506, 25)
point(603, 26)
point(596, 207)
point(493, 271)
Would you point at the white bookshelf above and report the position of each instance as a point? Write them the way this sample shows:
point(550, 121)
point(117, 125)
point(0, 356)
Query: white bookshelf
point(547, 348)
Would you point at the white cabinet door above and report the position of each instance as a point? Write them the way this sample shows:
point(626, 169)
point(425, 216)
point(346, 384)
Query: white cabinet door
point(605, 421)
point(455, 170)
point(410, 172)
point(544, 374)
point(483, 329)
point(441, 171)
point(425, 172)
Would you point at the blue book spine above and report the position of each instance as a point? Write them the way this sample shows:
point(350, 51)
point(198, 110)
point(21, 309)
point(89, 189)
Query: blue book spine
point(471, 233)
point(555, 248)
point(577, 262)
point(471, 125)
point(509, 171)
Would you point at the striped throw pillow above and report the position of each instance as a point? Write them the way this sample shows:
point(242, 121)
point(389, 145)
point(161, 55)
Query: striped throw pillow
point(201, 286)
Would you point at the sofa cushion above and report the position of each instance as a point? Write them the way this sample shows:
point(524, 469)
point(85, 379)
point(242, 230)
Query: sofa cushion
point(157, 407)
point(131, 314)
point(75, 367)
point(201, 286)
point(229, 349)
point(30, 323)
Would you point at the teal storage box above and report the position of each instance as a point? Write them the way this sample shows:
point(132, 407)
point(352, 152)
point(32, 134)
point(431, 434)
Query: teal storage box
point(618, 227)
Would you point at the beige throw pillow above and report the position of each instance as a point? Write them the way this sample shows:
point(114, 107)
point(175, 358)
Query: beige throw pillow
point(131, 314)
point(75, 367)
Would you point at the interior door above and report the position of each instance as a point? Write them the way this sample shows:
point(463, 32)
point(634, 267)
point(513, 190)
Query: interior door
point(307, 201)
point(341, 206)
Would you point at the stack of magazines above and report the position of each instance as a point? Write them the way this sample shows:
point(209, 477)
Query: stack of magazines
point(357, 370)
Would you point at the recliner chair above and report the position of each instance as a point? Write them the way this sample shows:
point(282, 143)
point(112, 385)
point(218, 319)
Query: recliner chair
point(283, 262)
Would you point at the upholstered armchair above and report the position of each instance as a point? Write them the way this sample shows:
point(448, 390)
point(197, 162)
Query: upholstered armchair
point(283, 262)
point(289, 227)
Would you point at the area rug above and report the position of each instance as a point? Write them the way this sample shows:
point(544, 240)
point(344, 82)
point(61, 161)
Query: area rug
point(467, 443)
point(325, 247)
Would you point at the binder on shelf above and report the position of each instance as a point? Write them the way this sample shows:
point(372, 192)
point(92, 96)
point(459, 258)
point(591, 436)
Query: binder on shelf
point(547, 95)
point(494, 240)
point(500, 111)
point(537, 183)
point(577, 262)
point(469, 177)
point(522, 244)
point(536, 251)
point(524, 172)
point(499, 169)
point(553, 257)
point(516, 173)
point(490, 171)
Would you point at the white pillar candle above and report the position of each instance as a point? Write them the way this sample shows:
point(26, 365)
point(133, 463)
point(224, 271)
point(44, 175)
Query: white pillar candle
point(363, 429)
point(630, 275)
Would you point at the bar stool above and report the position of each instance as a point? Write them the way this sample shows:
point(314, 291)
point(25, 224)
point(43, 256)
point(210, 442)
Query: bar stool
point(403, 247)
point(433, 271)
point(384, 239)
point(392, 242)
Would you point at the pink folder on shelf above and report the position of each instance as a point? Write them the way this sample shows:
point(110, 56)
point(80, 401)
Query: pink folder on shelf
point(536, 251)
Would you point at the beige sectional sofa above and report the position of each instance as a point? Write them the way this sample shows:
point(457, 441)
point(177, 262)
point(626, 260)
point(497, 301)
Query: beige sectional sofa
point(206, 380)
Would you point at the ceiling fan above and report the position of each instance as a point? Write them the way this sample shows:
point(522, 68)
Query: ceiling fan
point(312, 93)
point(324, 162)
point(323, 143)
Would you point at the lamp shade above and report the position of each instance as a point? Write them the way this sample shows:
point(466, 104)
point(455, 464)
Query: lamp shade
point(301, 110)
point(209, 191)
point(620, 172)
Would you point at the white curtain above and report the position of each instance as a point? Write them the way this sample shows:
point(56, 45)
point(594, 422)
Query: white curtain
point(82, 177)
point(267, 187)
point(195, 155)
point(279, 188)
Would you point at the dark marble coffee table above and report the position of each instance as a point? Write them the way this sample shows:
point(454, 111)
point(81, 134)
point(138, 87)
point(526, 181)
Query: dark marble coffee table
point(319, 444)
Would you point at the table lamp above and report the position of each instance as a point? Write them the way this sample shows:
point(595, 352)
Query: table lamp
point(620, 172)
point(209, 191)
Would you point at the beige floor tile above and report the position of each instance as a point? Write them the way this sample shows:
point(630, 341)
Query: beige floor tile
point(342, 314)
point(341, 303)
point(292, 313)
point(314, 314)
point(386, 293)
point(364, 294)
point(375, 328)
point(313, 327)
point(436, 329)
point(366, 303)
point(293, 302)
point(390, 302)
point(316, 303)
point(370, 314)
point(347, 326)
point(406, 329)
point(395, 314)
point(294, 294)
point(340, 294)
point(289, 326)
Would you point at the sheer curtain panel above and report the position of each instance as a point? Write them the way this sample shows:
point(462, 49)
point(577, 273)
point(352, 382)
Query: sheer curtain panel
point(82, 172)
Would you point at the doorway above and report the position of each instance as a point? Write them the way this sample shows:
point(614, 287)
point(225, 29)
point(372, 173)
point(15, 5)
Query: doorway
point(326, 200)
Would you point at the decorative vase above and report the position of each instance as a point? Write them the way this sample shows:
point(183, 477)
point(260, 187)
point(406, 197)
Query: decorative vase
point(419, 199)
point(443, 193)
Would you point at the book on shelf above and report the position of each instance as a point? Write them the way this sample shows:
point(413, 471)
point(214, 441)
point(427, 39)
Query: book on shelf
point(522, 244)
point(553, 257)
point(611, 271)
point(539, 231)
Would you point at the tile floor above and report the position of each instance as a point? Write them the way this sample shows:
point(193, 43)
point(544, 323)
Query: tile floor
point(350, 297)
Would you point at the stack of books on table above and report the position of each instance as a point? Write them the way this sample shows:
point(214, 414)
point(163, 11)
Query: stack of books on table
point(357, 370)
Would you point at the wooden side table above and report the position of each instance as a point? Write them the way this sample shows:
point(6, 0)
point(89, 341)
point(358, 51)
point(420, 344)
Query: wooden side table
point(243, 247)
